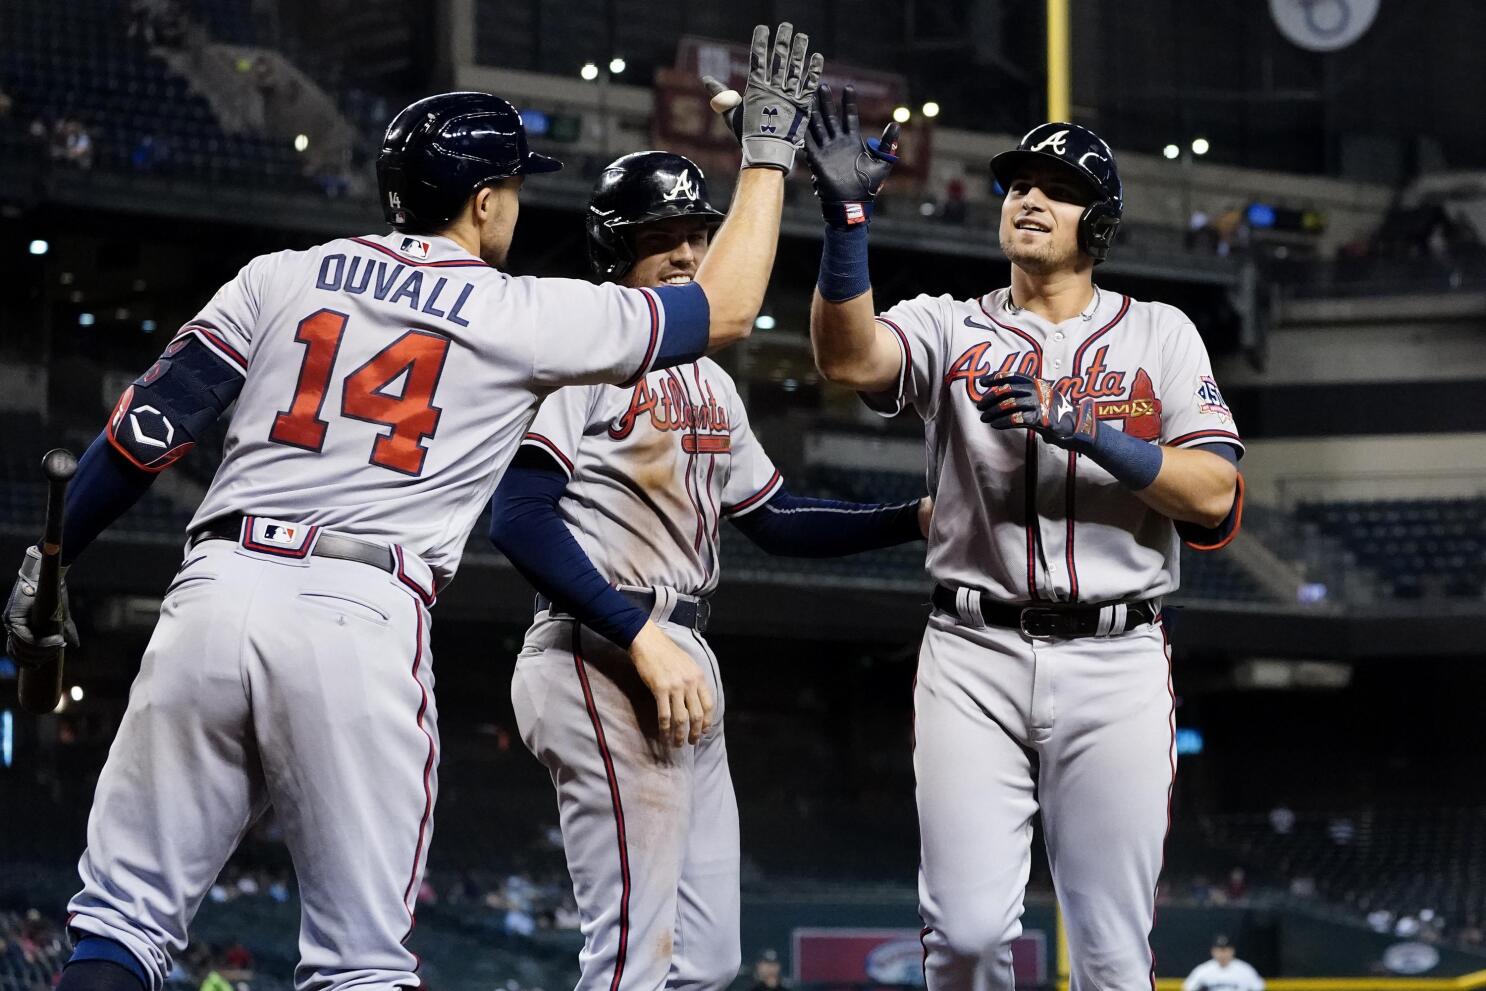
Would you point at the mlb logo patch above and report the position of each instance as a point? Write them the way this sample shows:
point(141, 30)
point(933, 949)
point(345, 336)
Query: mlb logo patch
point(279, 537)
point(416, 246)
point(279, 533)
point(855, 214)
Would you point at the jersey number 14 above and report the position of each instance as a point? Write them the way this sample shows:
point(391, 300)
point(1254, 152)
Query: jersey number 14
point(416, 357)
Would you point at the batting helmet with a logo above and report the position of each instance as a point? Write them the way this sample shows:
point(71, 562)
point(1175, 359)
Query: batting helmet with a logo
point(439, 151)
point(637, 189)
point(1089, 158)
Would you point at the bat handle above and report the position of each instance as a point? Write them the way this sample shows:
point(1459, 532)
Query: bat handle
point(39, 688)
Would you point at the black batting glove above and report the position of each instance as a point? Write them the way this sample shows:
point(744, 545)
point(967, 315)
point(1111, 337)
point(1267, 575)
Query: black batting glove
point(30, 647)
point(846, 170)
point(1021, 401)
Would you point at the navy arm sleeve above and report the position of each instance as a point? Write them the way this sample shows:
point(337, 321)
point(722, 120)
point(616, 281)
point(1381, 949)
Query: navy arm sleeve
point(798, 526)
point(103, 489)
point(688, 324)
point(1201, 538)
point(526, 527)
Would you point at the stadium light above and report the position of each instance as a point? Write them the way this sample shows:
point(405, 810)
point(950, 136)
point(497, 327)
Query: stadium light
point(39, 247)
point(76, 693)
point(931, 109)
point(902, 114)
point(764, 322)
point(1200, 146)
point(301, 142)
point(148, 326)
point(616, 65)
point(589, 72)
point(1171, 151)
point(85, 319)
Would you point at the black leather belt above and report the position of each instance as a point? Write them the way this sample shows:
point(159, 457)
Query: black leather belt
point(689, 611)
point(1051, 622)
point(335, 545)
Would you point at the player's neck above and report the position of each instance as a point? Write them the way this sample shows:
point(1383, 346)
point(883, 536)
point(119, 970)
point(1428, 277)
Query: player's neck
point(1056, 296)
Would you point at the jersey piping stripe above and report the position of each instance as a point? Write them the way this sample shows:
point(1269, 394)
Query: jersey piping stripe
point(905, 368)
point(738, 509)
point(1029, 480)
point(1171, 757)
point(1078, 356)
point(598, 735)
point(212, 337)
point(448, 263)
point(650, 300)
point(538, 439)
point(428, 764)
point(693, 487)
point(1069, 489)
point(1222, 435)
point(429, 597)
point(696, 373)
point(1031, 341)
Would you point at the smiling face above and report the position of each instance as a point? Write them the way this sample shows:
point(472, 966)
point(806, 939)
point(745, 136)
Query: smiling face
point(1039, 219)
point(668, 252)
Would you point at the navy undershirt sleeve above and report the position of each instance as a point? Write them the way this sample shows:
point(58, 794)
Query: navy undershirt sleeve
point(1201, 536)
point(688, 324)
point(103, 489)
point(799, 526)
point(526, 527)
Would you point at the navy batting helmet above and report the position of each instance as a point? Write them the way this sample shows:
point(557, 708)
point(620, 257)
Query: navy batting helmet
point(1086, 155)
point(638, 189)
point(439, 151)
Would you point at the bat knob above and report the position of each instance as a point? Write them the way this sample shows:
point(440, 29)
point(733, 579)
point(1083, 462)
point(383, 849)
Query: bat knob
point(59, 464)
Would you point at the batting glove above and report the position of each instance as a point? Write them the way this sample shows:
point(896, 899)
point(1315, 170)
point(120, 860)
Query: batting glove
point(847, 171)
point(29, 647)
point(770, 123)
point(1013, 401)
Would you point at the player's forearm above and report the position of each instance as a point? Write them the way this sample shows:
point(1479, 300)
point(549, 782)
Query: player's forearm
point(735, 272)
point(1193, 487)
point(851, 347)
point(797, 526)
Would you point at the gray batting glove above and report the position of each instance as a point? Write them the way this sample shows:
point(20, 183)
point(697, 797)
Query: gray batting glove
point(26, 645)
point(770, 122)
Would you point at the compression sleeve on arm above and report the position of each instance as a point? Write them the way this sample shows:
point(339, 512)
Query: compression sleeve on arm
point(798, 526)
point(526, 527)
point(103, 489)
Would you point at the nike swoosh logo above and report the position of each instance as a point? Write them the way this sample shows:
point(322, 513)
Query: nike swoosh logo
point(978, 326)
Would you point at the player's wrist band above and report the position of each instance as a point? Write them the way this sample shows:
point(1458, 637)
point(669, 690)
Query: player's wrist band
point(843, 263)
point(1134, 463)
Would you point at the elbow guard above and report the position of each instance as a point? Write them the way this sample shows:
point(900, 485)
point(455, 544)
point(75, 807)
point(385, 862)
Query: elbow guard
point(160, 416)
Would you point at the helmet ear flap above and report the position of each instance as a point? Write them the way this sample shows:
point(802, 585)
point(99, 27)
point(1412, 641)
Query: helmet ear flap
point(610, 255)
point(1096, 229)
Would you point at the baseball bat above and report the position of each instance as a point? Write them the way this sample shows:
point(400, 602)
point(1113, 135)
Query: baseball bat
point(40, 687)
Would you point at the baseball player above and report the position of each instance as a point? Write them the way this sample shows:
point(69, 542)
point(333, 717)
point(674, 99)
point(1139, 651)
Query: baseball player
point(612, 509)
point(1074, 437)
point(1224, 972)
point(382, 385)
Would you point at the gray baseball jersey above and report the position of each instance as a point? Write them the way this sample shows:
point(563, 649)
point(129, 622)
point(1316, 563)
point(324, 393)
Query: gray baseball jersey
point(1081, 729)
point(1023, 519)
point(387, 383)
point(389, 380)
point(653, 469)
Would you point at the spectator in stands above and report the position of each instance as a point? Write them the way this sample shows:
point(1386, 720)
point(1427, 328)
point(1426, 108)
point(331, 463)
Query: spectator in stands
point(1238, 884)
point(1224, 972)
point(953, 210)
point(71, 143)
point(1471, 934)
point(766, 972)
point(237, 957)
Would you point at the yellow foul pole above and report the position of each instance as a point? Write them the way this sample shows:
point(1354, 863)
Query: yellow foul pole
point(1059, 64)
